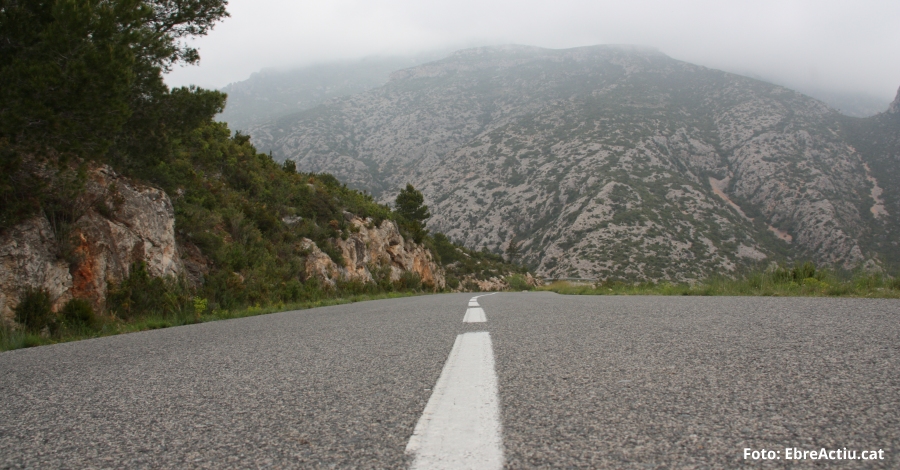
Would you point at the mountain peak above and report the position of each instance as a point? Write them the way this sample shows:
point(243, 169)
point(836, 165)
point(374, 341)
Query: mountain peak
point(895, 105)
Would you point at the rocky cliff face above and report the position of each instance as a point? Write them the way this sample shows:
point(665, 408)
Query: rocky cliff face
point(602, 161)
point(28, 259)
point(120, 222)
point(895, 105)
point(877, 139)
point(371, 248)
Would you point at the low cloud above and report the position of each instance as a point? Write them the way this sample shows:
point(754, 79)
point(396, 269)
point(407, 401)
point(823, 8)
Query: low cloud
point(828, 45)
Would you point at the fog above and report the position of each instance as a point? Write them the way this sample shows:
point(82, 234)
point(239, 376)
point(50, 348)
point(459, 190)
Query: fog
point(838, 46)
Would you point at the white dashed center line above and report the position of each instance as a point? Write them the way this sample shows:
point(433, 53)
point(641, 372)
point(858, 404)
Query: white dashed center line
point(460, 427)
point(474, 315)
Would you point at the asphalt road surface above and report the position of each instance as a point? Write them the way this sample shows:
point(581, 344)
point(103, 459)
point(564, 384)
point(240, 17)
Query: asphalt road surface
point(578, 381)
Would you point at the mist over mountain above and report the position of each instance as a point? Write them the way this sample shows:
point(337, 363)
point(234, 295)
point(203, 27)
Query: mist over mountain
point(273, 93)
point(849, 104)
point(613, 162)
point(276, 92)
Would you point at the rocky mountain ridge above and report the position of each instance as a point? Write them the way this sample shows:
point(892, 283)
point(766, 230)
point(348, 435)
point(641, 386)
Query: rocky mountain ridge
point(895, 105)
point(606, 161)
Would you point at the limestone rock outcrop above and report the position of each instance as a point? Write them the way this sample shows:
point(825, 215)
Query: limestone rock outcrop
point(28, 260)
point(493, 284)
point(119, 222)
point(370, 247)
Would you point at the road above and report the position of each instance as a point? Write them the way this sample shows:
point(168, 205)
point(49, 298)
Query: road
point(579, 381)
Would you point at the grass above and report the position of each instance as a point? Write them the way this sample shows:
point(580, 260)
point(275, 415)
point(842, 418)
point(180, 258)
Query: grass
point(18, 338)
point(800, 281)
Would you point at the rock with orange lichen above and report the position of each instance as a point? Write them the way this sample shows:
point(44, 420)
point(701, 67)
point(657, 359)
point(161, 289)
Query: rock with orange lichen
point(120, 222)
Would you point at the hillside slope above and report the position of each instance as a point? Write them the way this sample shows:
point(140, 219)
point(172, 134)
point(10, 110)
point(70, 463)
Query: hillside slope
point(605, 161)
point(877, 139)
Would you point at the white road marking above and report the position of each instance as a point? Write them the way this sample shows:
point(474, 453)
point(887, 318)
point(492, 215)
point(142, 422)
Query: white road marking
point(460, 427)
point(474, 303)
point(482, 295)
point(474, 315)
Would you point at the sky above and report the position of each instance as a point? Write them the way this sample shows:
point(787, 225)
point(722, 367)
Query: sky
point(840, 46)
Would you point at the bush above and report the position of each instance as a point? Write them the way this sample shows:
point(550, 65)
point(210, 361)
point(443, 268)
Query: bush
point(517, 282)
point(409, 281)
point(78, 313)
point(471, 286)
point(796, 274)
point(141, 294)
point(35, 310)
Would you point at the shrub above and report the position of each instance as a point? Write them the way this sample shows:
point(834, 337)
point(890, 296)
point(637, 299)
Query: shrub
point(797, 274)
point(381, 274)
point(141, 294)
point(409, 281)
point(78, 313)
point(200, 305)
point(35, 310)
point(471, 286)
point(517, 282)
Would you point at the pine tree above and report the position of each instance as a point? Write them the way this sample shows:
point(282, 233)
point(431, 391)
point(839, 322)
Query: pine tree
point(410, 205)
point(512, 251)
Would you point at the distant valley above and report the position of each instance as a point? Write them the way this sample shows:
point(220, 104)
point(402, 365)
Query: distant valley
point(612, 162)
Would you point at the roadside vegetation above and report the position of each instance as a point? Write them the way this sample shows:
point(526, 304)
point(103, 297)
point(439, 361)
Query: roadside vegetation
point(801, 280)
point(85, 89)
point(65, 328)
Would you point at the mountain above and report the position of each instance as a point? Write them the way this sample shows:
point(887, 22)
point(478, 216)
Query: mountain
point(272, 93)
point(849, 104)
point(877, 138)
point(615, 162)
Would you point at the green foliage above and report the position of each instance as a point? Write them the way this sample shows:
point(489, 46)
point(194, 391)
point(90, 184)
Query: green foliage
point(797, 273)
point(248, 216)
point(408, 281)
point(34, 310)
point(512, 251)
point(75, 71)
point(452, 281)
point(141, 294)
point(11, 338)
point(412, 212)
point(410, 205)
point(84, 78)
point(471, 286)
point(462, 265)
point(517, 282)
point(803, 279)
point(78, 313)
point(200, 305)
